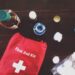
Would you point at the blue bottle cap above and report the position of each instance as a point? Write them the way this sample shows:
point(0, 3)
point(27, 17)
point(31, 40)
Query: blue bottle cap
point(39, 29)
point(4, 16)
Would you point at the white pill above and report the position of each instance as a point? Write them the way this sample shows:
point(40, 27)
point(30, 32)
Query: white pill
point(58, 37)
point(32, 15)
point(56, 59)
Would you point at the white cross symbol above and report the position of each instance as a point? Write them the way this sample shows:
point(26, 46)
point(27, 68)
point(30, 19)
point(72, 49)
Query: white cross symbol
point(19, 66)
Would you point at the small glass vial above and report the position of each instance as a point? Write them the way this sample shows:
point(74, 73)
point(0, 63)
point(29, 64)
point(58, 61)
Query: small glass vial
point(39, 28)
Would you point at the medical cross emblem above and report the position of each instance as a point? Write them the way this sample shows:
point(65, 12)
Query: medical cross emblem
point(19, 66)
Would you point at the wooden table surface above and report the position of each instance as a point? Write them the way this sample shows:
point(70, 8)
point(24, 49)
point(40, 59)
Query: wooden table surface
point(46, 9)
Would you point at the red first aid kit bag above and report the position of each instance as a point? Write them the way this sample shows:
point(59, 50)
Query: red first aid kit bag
point(22, 56)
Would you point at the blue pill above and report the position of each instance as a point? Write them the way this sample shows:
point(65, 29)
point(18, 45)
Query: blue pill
point(39, 29)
